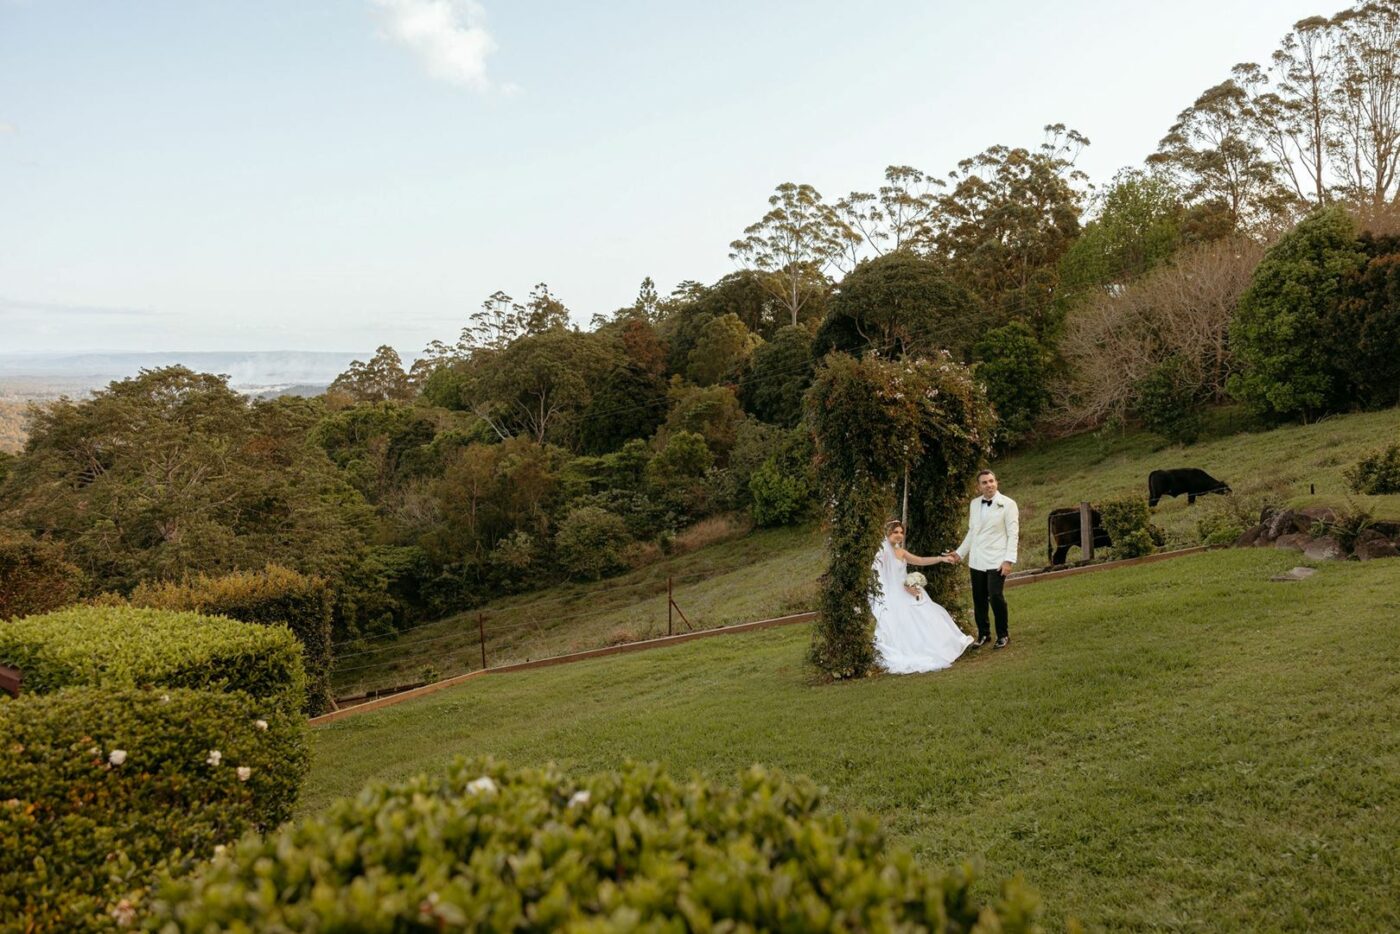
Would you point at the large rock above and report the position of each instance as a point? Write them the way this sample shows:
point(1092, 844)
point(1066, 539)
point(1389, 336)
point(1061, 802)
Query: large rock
point(1252, 536)
point(1371, 544)
point(1295, 540)
point(1320, 514)
point(1267, 513)
point(1325, 548)
point(1287, 522)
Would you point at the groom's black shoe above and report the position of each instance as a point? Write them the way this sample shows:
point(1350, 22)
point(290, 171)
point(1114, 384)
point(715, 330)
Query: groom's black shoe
point(980, 641)
point(1001, 643)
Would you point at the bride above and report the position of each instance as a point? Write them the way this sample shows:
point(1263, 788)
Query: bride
point(912, 633)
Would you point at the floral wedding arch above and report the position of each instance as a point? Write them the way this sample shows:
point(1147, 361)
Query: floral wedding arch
point(883, 428)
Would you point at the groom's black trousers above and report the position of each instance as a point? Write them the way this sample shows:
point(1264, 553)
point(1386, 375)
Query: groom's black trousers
point(987, 589)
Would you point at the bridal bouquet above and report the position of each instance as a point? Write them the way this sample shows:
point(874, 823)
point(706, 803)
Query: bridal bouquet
point(915, 579)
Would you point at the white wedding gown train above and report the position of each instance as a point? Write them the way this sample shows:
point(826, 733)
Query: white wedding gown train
point(912, 634)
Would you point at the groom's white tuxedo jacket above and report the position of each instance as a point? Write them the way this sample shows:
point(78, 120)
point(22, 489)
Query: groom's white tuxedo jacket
point(992, 533)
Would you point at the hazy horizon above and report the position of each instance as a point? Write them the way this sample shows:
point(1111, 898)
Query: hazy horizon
point(296, 176)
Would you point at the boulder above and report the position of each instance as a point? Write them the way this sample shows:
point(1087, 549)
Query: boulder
point(1295, 540)
point(1297, 574)
point(1267, 513)
point(1251, 536)
point(1320, 514)
point(1325, 548)
point(1376, 546)
point(1287, 522)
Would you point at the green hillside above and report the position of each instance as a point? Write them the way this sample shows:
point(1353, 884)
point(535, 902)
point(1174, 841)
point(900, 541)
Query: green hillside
point(744, 577)
point(1182, 745)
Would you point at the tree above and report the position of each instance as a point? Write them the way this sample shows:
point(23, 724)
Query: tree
point(381, 379)
point(1365, 326)
point(592, 543)
point(1365, 138)
point(630, 403)
point(501, 320)
point(712, 412)
point(1008, 219)
point(898, 305)
point(894, 219)
point(172, 473)
point(1182, 309)
point(539, 383)
point(1014, 369)
point(778, 374)
point(544, 311)
point(1299, 114)
point(1138, 227)
point(793, 245)
point(721, 351)
point(1215, 151)
point(1279, 333)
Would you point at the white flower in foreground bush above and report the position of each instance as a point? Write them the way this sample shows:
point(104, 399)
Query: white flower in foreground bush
point(483, 785)
point(260, 724)
point(215, 757)
point(117, 756)
point(244, 772)
point(123, 913)
point(165, 698)
point(579, 799)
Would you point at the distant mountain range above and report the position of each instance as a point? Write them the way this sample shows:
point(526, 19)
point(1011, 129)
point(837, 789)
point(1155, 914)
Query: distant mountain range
point(258, 373)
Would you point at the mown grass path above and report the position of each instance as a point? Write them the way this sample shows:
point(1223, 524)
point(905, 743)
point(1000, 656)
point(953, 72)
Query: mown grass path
point(1183, 745)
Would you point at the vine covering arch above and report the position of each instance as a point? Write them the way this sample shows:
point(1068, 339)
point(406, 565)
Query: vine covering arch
point(874, 422)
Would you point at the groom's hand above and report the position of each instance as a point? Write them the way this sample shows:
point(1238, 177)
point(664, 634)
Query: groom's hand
point(952, 557)
point(1005, 568)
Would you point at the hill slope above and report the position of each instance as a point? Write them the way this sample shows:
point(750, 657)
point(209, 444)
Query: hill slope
point(771, 573)
point(1182, 745)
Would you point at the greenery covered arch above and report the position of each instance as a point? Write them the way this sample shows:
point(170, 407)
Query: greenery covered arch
point(876, 421)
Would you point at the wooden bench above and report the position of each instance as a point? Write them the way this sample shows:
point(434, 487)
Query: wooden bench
point(10, 679)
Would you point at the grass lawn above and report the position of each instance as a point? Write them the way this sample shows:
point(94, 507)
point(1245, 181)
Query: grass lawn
point(775, 572)
point(1182, 745)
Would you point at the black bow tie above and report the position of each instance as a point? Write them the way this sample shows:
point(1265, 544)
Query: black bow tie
point(986, 502)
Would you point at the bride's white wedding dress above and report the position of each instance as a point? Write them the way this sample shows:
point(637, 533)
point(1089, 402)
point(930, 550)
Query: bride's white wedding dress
point(911, 633)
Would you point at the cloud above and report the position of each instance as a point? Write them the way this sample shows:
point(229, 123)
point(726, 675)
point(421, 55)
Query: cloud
point(15, 307)
point(449, 37)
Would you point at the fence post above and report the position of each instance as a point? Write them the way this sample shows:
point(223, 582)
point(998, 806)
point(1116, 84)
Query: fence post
point(670, 608)
point(481, 629)
point(1086, 531)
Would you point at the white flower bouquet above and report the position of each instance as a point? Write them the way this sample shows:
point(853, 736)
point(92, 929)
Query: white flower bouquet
point(915, 579)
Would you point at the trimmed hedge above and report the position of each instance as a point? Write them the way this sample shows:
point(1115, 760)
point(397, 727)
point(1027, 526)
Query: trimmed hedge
point(492, 848)
point(34, 577)
point(270, 596)
point(101, 786)
point(131, 647)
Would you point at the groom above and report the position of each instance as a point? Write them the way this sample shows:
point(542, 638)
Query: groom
point(989, 548)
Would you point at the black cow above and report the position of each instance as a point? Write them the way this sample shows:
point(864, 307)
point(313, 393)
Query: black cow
point(1189, 480)
point(1064, 533)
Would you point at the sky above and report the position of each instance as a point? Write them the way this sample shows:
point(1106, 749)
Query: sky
point(182, 175)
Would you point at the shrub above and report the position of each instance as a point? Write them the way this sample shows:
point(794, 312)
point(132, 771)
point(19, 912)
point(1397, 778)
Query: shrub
point(1376, 473)
point(592, 543)
point(1224, 519)
point(102, 786)
point(491, 848)
point(779, 497)
point(117, 647)
point(34, 577)
point(1280, 332)
point(1126, 521)
point(1013, 367)
point(271, 596)
point(1170, 402)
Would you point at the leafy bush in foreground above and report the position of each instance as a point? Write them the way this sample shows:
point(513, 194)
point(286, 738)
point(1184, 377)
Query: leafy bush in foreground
point(34, 577)
point(274, 595)
point(115, 646)
point(492, 848)
point(1376, 473)
point(103, 786)
point(1127, 522)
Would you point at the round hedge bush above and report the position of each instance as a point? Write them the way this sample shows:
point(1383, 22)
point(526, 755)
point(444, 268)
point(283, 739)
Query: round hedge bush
point(101, 786)
point(117, 646)
point(491, 848)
